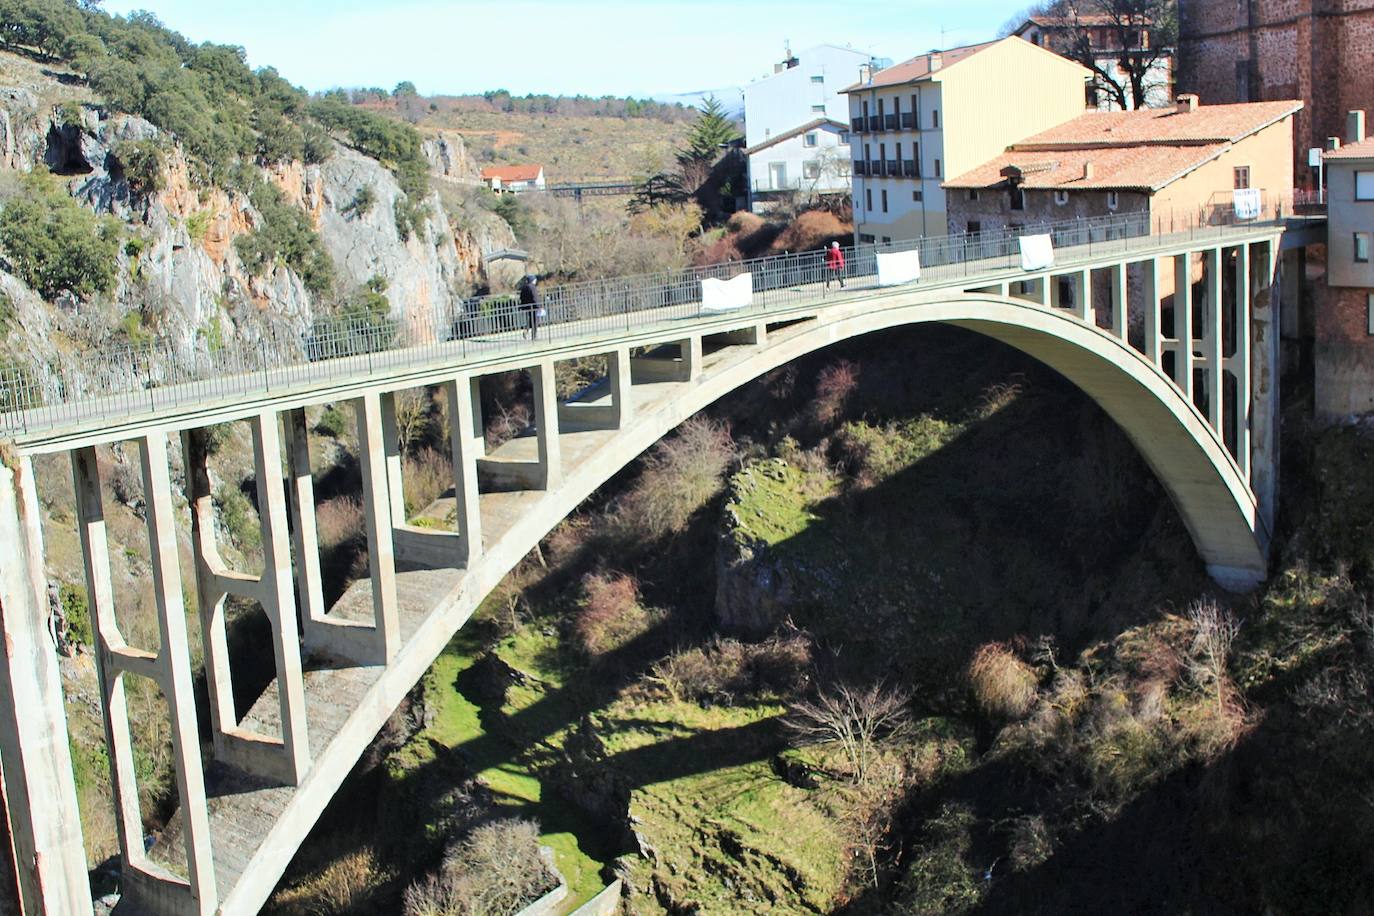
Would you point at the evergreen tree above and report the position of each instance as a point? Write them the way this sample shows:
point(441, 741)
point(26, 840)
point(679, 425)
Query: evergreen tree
point(711, 130)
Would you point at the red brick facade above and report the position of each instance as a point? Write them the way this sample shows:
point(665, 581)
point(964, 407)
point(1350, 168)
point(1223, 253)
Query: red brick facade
point(1320, 51)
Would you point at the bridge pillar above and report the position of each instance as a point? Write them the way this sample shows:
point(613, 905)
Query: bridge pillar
point(1266, 313)
point(1240, 361)
point(479, 429)
point(1083, 295)
point(1183, 324)
point(691, 358)
point(546, 425)
point(39, 787)
point(285, 758)
point(465, 492)
point(394, 449)
point(618, 376)
point(1154, 333)
point(381, 558)
point(1211, 339)
point(1119, 304)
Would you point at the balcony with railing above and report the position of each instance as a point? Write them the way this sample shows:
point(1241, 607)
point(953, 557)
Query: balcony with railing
point(860, 167)
point(911, 168)
point(908, 120)
point(857, 125)
point(894, 168)
point(890, 122)
point(875, 122)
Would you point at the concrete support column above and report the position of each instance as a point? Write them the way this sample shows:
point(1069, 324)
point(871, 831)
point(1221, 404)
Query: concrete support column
point(278, 599)
point(618, 377)
point(395, 453)
point(546, 425)
point(1043, 293)
point(1183, 323)
point(1154, 337)
point(691, 358)
point(1211, 338)
point(479, 429)
point(381, 558)
point(40, 790)
point(1119, 304)
point(465, 493)
point(309, 583)
point(1083, 299)
point(173, 672)
point(1240, 360)
point(1266, 314)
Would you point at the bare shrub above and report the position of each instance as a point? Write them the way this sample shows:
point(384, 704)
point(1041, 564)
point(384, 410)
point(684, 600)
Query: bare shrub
point(1003, 685)
point(412, 418)
point(126, 483)
point(857, 719)
point(835, 385)
point(505, 423)
point(681, 474)
point(726, 669)
point(339, 521)
point(611, 615)
point(428, 475)
point(1214, 630)
point(495, 871)
point(346, 885)
point(1031, 842)
point(997, 396)
point(811, 230)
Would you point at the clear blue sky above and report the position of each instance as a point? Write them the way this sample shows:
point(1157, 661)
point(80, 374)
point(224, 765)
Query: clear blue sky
point(636, 47)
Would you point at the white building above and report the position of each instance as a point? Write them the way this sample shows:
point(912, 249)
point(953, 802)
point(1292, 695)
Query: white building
point(514, 177)
point(801, 101)
point(812, 158)
point(941, 114)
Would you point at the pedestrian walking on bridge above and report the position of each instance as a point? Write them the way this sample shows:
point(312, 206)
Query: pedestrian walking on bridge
point(530, 306)
point(834, 265)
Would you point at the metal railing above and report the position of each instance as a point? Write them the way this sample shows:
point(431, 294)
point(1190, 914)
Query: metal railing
point(82, 389)
point(875, 123)
point(911, 168)
point(860, 167)
point(857, 125)
point(908, 120)
point(890, 122)
point(894, 168)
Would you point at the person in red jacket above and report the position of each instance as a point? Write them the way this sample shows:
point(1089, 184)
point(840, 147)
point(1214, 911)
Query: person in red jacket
point(834, 265)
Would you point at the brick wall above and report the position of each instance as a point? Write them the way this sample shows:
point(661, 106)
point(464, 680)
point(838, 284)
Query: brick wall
point(1343, 352)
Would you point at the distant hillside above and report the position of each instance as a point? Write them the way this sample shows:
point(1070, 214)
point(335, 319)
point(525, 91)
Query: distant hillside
point(571, 140)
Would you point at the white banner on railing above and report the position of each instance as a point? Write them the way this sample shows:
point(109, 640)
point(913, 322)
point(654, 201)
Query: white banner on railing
point(1037, 252)
point(1247, 202)
point(898, 267)
point(724, 295)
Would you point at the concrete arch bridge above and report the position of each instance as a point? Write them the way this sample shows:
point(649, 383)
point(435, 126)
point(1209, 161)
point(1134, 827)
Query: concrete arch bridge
point(1174, 334)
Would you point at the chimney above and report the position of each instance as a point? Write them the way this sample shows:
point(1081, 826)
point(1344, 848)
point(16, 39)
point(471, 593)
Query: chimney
point(1088, 171)
point(1186, 102)
point(865, 73)
point(936, 61)
point(1354, 127)
point(1333, 144)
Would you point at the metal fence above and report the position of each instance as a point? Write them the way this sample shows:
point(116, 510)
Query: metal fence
point(82, 389)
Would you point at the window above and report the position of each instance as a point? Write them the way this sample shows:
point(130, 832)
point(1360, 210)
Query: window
point(818, 78)
point(935, 118)
point(1362, 248)
point(811, 169)
point(937, 168)
point(818, 109)
point(809, 139)
point(844, 138)
point(868, 199)
point(1018, 199)
point(972, 193)
point(865, 238)
point(1061, 198)
point(1241, 175)
point(917, 196)
point(1112, 200)
point(885, 202)
point(887, 240)
point(882, 150)
point(1364, 185)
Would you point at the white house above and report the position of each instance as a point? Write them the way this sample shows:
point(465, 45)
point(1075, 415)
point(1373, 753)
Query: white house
point(811, 158)
point(1109, 39)
point(800, 101)
point(514, 177)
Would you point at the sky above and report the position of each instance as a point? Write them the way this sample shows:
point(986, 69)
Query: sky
point(644, 48)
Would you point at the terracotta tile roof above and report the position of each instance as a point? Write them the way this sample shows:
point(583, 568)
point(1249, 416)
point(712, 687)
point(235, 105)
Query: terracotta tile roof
point(918, 67)
point(1066, 22)
point(1145, 168)
point(1362, 150)
point(796, 131)
point(1205, 124)
point(512, 172)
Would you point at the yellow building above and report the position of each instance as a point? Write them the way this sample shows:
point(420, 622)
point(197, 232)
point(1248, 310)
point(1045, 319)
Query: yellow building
point(941, 114)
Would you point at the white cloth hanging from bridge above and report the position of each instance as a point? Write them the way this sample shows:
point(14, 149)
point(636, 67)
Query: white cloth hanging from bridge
point(724, 295)
point(1037, 252)
point(1247, 202)
point(898, 267)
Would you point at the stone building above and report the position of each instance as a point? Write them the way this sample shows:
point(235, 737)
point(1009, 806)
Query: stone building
point(1343, 345)
point(1320, 51)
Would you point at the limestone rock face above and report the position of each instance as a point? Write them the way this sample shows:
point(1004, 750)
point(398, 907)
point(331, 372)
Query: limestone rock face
point(448, 157)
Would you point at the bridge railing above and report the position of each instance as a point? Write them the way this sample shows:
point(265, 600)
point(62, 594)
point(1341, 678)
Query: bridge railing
point(125, 380)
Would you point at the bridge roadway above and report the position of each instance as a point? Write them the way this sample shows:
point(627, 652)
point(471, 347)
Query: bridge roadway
point(247, 810)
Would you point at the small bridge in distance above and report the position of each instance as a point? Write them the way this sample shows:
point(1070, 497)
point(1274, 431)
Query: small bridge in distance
point(1170, 325)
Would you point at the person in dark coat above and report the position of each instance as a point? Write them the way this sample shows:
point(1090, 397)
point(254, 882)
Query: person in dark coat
point(530, 306)
point(834, 265)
